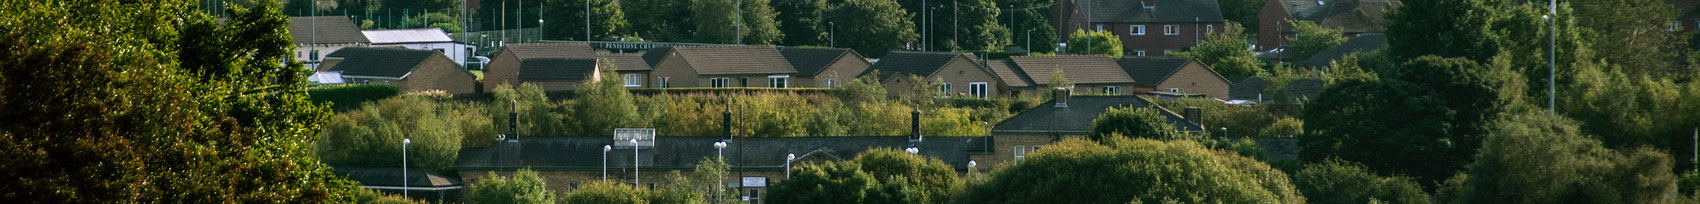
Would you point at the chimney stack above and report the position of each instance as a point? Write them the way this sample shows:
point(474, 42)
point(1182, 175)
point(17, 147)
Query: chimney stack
point(1060, 94)
point(1194, 114)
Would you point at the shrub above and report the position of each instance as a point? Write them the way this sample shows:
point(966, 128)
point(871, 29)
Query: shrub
point(349, 96)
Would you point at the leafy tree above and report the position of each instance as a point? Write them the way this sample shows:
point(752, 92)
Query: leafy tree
point(1143, 122)
point(537, 117)
point(371, 136)
point(835, 182)
point(607, 192)
point(717, 21)
point(951, 122)
point(658, 20)
point(804, 22)
point(925, 179)
point(881, 26)
point(908, 179)
point(1032, 15)
point(977, 26)
point(1634, 31)
point(1228, 53)
point(1311, 38)
point(1538, 158)
point(1058, 80)
point(1447, 28)
point(565, 20)
point(1243, 12)
point(1126, 170)
point(1284, 128)
point(1102, 43)
point(604, 105)
point(524, 187)
point(1391, 126)
point(1343, 182)
point(155, 102)
point(373, 196)
point(865, 89)
point(706, 181)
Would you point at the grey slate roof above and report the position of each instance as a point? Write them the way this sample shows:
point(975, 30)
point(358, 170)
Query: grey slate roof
point(378, 62)
point(1150, 71)
point(1250, 88)
point(810, 61)
point(1007, 72)
point(1362, 43)
point(1079, 69)
point(1359, 16)
point(416, 177)
point(1078, 116)
point(917, 63)
point(624, 61)
point(331, 30)
point(550, 50)
point(556, 69)
point(685, 152)
point(1165, 11)
point(739, 59)
point(654, 56)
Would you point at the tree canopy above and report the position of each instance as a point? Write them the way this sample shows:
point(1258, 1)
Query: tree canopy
point(881, 26)
point(1143, 122)
point(1134, 170)
point(1101, 43)
point(524, 187)
point(1539, 158)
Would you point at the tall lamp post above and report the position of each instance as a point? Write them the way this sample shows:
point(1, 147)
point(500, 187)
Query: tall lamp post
point(635, 164)
point(499, 139)
point(1552, 43)
point(404, 142)
point(605, 149)
point(788, 158)
point(912, 150)
point(587, 21)
point(1029, 42)
point(1224, 132)
point(720, 149)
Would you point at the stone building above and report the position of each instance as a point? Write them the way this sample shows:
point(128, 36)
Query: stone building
point(1175, 77)
point(1090, 74)
point(959, 74)
point(552, 66)
point(719, 66)
point(825, 67)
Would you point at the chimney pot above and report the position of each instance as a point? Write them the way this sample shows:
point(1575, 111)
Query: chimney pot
point(1060, 94)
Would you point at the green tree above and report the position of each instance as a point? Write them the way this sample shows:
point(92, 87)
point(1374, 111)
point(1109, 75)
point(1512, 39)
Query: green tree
point(1311, 38)
point(1058, 80)
point(607, 192)
point(604, 105)
point(1447, 28)
point(1539, 158)
point(1228, 53)
point(1032, 15)
point(537, 117)
point(717, 21)
point(1392, 127)
point(881, 26)
point(1143, 122)
point(926, 179)
point(951, 122)
point(524, 187)
point(1126, 170)
point(804, 22)
point(835, 182)
point(1243, 12)
point(565, 21)
point(1634, 31)
point(156, 102)
point(371, 136)
point(1344, 182)
point(1102, 43)
point(658, 20)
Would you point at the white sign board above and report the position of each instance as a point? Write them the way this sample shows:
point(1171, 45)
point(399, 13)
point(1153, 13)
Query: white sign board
point(755, 181)
point(645, 137)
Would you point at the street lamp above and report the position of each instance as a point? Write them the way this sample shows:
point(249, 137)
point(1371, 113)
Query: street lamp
point(720, 149)
point(404, 142)
point(605, 149)
point(912, 150)
point(788, 158)
point(1224, 131)
point(1029, 41)
point(635, 164)
point(971, 165)
point(499, 139)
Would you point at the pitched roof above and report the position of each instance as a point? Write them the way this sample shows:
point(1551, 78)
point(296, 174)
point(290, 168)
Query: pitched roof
point(556, 69)
point(550, 50)
point(1134, 11)
point(378, 61)
point(330, 30)
point(684, 152)
point(1362, 43)
point(738, 59)
point(624, 61)
point(1080, 69)
point(916, 63)
point(1150, 71)
point(654, 56)
point(1300, 8)
point(1078, 116)
point(1350, 16)
point(811, 61)
point(399, 36)
point(392, 177)
point(1006, 71)
point(1255, 88)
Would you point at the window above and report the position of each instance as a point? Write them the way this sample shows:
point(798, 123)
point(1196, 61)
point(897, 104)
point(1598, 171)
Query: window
point(1171, 30)
point(314, 55)
point(1209, 29)
point(977, 88)
point(1674, 26)
point(572, 186)
point(1112, 90)
point(1100, 28)
point(632, 80)
point(1138, 53)
point(1176, 90)
point(297, 54)
point(660, 82)
point(755, 195)
point(1020, 153)
point(1136, 30)
point(830, 83)
point(743, 82)
point(1036, 148)
point(945, 88)
point(651, 186)
point(777, 81)
point(1166, 52)
point(718, 82)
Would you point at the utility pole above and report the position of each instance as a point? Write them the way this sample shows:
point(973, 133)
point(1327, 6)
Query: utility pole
point(587, 21)
point(739, 17)
point(955, 27)
point(1552, 65)
point(520, 20)
point(1088, 49)
point(926, 22)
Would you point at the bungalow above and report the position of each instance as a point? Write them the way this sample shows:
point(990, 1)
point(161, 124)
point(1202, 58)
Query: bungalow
point(1091, 74)
point(409, 70)
point(952, 69)
point(630, 66)
point(720, 66)
point(422, 39)
point(1175, 77)
point(563, 65)
point(825, 67)
point(316, 36)
point(1062, 118)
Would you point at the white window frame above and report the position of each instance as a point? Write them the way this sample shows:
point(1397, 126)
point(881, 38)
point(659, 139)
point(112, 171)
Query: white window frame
point(1020, 153)
point(779, 81)
point(661, 82)
point(978, 89)
point(632, 80)
point(1210, 29)
point(1112, 90)
point(945, 88)
point(719, 82)
point(1171, 30)
point(830, 82)
point(1176, 90)
point(1674, 26)
point(1136, 30)
point(1139, 53)
point(1100, 28)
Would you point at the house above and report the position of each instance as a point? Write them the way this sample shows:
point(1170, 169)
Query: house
point(1362, 43)
point(630, 66)
point(1151, 27)
point(1174, 77)
point(564, 65)
point(1353, 17)
point(825, 67)
point(420, 183)
point(720, 66)
point(951, 70)
point(317, 36)
point(421, 39)
point(1687, 16)
point(1091, 74)
point(1063, 118)
point(1258, 90)
point(566, 163)
point(409, 70)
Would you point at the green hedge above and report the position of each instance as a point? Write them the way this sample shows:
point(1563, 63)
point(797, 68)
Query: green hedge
point(733, 90)
point(350, 96)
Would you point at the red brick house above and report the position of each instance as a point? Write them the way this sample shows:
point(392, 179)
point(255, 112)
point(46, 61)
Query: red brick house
point(1353, 17)
point(1148, 27)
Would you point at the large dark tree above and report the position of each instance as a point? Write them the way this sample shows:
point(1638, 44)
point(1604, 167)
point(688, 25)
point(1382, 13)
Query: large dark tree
point(804, 22)
point(880, 26)
point(1126, 170)
point(158, 103)
point(565, 20)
